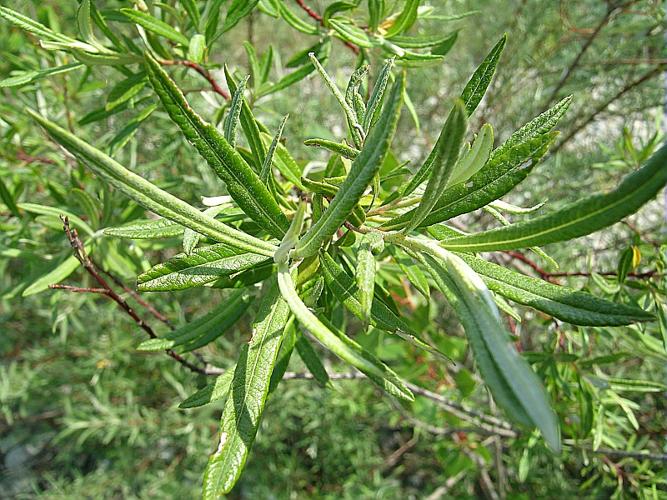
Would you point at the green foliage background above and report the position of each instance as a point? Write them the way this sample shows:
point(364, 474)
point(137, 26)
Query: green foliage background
point(84, 415)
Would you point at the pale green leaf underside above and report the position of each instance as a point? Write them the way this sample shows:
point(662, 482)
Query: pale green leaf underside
point(512, 382)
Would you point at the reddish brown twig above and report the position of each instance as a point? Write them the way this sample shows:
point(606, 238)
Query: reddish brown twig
point(549, 276)
point(314, 15)
point(215, 86)
point(23, 156)
point(90, 267)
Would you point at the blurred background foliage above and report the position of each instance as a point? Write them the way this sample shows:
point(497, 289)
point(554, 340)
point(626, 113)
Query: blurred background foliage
point(84, 415)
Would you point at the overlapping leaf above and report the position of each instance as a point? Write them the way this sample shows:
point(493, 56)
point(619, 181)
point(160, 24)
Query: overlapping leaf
point(363, 169)
point(243, 184)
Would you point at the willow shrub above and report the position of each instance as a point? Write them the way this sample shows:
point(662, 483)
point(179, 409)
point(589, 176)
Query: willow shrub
point(300, 243)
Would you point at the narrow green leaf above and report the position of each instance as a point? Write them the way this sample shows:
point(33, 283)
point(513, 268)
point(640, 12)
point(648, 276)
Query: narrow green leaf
point(295, 21)
point(312, 361)
point(362, 171)
point(375, 13)
point(248, 392)
point(234, 114)
point(237, 11)
point(351, 33)
point(350, 115)
point(242, 182)
point(54, 276)
point(125, 90)
point(204, 329)
point(405, 19)
point(447, 154)
point(481, 79)
point(284, 355)
point(204, 265)
point(210, 393)
point(473, 161)
point(336, 147)
point(75, 221)
point(512, 382)
point(154, 25)
point(191, 8)
point(365, 274)
point(27, 77)
point(146, 229)
point(377, 95)
point(340, 344)
point(538, 126)
point(265, 172)
point(8, 199)
point(566, 304)
point(504, 170)
point(422, 42)
point(576, 219)
point(149, 195)
point(32, 26)
point(251, 127)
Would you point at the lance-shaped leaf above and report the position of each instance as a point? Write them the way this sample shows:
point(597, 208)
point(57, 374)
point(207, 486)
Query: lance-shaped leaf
point(363, 169)
point(265, 172)
point(215, 391)
point(365, 274)
point(377, 95)
point(405, 19)
point(150, 196)
point(475, 158)
point(207, 327)
point(447, 154)
point(146, 229)
point(155, 25)
point(243, 184)
point(536, 128)
point(234, 115)
point(499, 176)
point(251, 127)
point(512, 382)
point(540, 125)
point(481, 79)
point(338, 343)
point(312, 361)
point(566, 304)
point(202, 266)
point(247, 396)
point(576, 219)
point(336, 147)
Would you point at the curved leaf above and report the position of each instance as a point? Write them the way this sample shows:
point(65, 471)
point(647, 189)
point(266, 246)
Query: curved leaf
point(576, 219)
point(149, 195)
